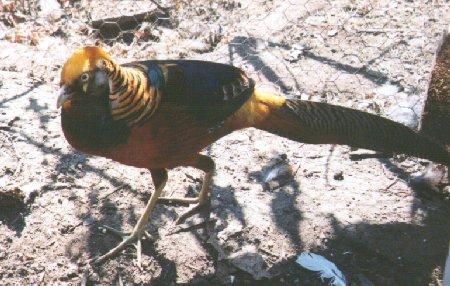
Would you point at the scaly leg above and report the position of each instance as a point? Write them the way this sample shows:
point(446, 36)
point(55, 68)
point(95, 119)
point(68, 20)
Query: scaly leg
point(159, 180)
point(207, 165)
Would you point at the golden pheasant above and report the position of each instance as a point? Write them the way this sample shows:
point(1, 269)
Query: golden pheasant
point(161, 114)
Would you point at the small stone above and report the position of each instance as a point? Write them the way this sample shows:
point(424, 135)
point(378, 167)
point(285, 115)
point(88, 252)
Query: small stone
point(31, 190)
point(232, 228)
point(404, 115)
point(332, 33)
point(338, 176)
point(417, 42)
point(277, 174)
point(50, 9)
point(196, 45)
point(249, 260)
point(446, 190)
point(387, 89)
point(296, 52)
point(12, 121)
point(94, 277)
point(72, 271)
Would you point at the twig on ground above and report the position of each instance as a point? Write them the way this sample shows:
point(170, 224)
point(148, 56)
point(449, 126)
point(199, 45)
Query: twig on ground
point(111, 192)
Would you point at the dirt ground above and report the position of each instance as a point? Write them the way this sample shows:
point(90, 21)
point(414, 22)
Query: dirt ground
point(382, 220)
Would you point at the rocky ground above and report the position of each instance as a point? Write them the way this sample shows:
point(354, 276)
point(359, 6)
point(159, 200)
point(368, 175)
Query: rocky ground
point(272, 198)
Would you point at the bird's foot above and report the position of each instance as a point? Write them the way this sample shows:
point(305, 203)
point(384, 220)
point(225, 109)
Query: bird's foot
point(128, 238)
point(193, 210)
point(200, 204)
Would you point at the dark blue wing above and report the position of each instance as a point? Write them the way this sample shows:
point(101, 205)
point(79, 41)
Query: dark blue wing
point(209, 91)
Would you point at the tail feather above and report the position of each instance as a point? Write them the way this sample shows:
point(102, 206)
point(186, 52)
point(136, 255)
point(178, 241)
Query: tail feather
point(321, 123)
point(436, 112)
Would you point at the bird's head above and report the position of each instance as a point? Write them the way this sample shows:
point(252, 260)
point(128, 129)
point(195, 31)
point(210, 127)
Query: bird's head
point(83, 76)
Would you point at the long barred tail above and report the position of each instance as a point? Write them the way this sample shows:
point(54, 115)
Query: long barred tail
point(436, 112)
point(321, 123)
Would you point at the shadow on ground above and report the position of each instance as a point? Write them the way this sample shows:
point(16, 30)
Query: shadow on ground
point(389, 254)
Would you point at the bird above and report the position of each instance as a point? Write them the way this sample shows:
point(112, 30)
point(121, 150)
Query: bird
point(160, 114)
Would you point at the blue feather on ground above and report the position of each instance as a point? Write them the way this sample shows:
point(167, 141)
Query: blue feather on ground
point(325, 268)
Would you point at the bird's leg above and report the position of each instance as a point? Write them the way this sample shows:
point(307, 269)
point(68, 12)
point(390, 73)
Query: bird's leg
point(202, 199)
point(207, 165)
point(159, 180)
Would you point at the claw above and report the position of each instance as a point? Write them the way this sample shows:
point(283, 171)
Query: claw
point(159, 178)
point(128, 239)
point(197, 208)
point(194, 210)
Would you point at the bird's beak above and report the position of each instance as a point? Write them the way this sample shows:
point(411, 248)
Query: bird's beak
point(64, 94)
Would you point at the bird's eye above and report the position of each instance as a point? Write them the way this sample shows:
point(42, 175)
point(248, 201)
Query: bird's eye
point(84, 77)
